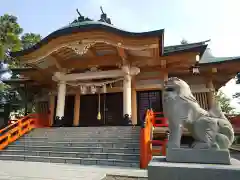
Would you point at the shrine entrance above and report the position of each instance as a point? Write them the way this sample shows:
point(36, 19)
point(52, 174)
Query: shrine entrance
point(111, 109)
point(147, 100)
point(68, 111)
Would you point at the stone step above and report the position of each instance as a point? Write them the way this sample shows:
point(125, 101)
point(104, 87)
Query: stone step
point(93, 127)
point(120, 156)
point(78, 144)
point(74, 149)
point(87, 135)
point(84, 161)
point(87, 130)
point(77, 139)
point(115, 146)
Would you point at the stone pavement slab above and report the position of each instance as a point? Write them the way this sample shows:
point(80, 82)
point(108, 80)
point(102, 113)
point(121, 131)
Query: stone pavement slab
point(21, 170)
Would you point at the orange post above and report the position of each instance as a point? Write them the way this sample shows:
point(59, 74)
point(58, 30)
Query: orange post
point(152, 120)
point(145, 141)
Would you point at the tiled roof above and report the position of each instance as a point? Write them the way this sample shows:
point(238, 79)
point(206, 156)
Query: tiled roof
point(83, 27)
point(183, 46)
point(207, 57)
point(199, 46)
point(218, 59)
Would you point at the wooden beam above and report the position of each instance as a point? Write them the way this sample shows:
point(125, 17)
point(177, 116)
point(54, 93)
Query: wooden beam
point(122, 53)
point(57, 61)
point(163, 69)
point(83, 63)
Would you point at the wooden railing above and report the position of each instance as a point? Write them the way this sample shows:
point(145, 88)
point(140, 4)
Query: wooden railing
point(14, 131)
point(146, 138)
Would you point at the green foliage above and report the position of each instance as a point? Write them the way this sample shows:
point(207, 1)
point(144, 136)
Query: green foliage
point(224, 102)
point(10, 41)
point(9, 36)
point(30, 39)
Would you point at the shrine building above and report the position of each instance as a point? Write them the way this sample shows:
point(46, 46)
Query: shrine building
point(91, 73)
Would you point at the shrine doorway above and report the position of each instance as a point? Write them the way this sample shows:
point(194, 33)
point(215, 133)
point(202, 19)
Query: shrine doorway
point(147, 100)
point(111, 109)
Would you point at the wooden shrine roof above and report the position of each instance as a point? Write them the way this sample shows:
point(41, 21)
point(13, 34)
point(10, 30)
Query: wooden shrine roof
point(88, 27)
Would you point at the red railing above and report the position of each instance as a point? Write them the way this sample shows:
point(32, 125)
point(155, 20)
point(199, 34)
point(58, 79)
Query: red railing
point(160, 122)
point(146, 142)
point(14, 131)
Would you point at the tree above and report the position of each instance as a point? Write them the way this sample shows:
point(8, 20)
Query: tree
point(184, 41)
point(10, 40)
point(9, 36)
point(30, 39)
point(224, 102)
point(237, 78)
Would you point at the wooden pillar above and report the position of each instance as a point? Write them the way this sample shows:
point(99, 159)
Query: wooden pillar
point(76, 109)
point(134, 101)
point(127, 98)
point(51, 108)
point(164, 73)
point(210, 93)
point(165, 76)
point(61, 101)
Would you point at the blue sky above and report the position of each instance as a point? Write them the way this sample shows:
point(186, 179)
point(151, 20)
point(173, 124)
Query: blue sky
point(193, 20)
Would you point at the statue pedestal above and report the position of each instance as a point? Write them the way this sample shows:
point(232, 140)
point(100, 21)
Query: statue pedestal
point(205, 156)
point(159, 168)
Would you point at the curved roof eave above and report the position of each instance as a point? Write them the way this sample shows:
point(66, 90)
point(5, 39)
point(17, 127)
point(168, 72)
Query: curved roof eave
point(200, 49)
point(83, 27)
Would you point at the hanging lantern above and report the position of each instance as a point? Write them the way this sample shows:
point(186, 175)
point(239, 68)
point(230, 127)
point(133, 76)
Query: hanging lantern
point(99, 117)
point(197, 58)
point(93, 89)
point(83, 89)
point(104, 88)
point(195, 69)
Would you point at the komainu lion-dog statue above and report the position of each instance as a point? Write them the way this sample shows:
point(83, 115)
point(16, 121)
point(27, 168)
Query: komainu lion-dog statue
point(210, 129)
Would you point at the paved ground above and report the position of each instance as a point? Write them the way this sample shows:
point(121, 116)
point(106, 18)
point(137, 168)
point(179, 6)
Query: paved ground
point(18, 170)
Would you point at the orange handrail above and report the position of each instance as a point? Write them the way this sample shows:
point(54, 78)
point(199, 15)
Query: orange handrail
point(14, 131)
point(146, 136)
point(145, 141)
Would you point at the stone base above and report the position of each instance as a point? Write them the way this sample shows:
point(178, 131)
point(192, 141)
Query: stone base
point(158, 168)
point(205, 156)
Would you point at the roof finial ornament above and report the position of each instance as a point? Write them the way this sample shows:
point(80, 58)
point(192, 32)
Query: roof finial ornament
point(81, 18)
point(104, 17)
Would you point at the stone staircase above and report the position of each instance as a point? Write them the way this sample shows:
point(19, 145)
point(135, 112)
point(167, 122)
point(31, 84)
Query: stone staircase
point(112, 146)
